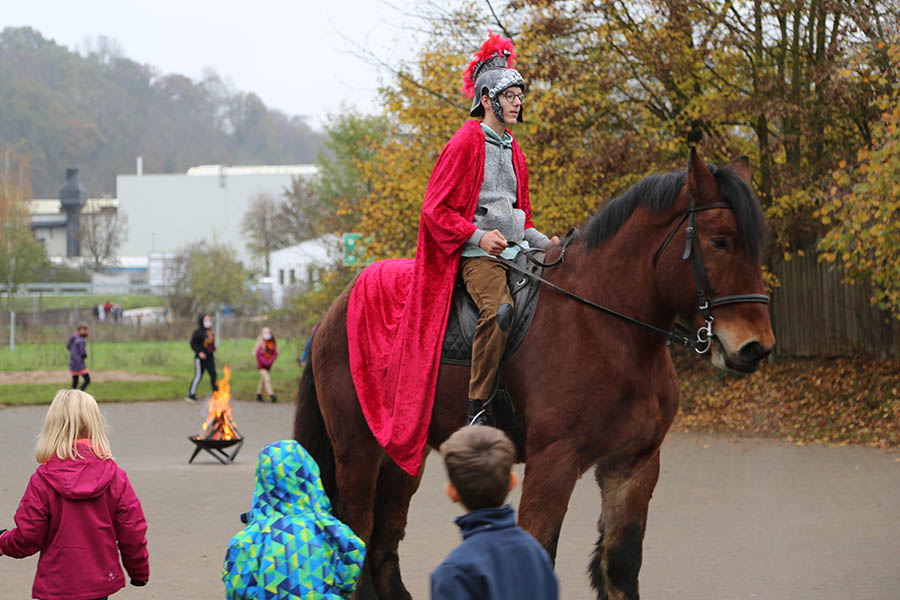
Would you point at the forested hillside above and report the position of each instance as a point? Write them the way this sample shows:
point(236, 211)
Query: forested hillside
point(97, 110)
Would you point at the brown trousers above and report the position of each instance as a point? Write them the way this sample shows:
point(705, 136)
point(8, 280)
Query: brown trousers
point(485, 280)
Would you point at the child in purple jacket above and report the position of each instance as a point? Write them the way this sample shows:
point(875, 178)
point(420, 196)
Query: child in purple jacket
point(79, 510)
point(77, 354)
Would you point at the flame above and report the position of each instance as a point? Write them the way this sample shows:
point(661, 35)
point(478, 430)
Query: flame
point(219, 415)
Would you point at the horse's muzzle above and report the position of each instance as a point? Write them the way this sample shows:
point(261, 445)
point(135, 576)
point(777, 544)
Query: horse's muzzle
point(747, 358)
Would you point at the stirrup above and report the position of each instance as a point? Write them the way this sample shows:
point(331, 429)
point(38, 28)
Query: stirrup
point(478, 413)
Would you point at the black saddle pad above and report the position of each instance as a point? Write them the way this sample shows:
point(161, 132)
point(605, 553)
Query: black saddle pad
point(457, 348)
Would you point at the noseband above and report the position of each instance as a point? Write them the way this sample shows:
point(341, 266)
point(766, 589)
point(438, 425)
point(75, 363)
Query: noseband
point(706, 300)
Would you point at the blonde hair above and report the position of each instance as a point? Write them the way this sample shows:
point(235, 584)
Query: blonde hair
point(73, 415)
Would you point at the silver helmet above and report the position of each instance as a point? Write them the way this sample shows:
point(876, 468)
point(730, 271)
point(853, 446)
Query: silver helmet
point(491, 72)
point(493, 81)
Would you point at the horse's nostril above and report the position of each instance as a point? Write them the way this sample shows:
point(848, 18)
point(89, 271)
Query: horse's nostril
point(752, 352)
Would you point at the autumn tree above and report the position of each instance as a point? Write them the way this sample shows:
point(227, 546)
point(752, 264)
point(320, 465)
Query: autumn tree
point(22, 258)
point(301, 216)
point(757, 78)
point(333, 203)
point(102, 233)
point(330, 202)
point(263, 229)
point(352, 141)
point(864, 210)
point(205, 276)
point(425, 108)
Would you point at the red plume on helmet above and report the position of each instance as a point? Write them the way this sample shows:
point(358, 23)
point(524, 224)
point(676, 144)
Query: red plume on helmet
point(493, 46)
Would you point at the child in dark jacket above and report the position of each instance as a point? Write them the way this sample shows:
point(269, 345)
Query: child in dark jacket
point(203, 343)
point(266, 351)
point(497, 559)
point(77, 354)
point(79, 510)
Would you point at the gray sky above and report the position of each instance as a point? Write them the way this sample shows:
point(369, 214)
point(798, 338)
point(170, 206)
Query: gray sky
point(292, 53)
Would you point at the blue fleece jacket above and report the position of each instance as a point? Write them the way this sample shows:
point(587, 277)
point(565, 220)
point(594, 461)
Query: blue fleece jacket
point(496, 560)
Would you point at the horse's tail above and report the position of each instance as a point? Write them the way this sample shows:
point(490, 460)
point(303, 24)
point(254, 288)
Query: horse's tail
point(309, 430)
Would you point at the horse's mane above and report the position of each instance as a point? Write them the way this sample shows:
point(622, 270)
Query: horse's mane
point(658, 192)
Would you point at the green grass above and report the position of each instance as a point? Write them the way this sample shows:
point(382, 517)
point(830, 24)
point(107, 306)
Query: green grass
point(22, 304)
point(173, 360)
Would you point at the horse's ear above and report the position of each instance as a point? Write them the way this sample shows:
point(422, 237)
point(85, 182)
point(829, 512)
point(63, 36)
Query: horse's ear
point(741, 166)
point(701, 182)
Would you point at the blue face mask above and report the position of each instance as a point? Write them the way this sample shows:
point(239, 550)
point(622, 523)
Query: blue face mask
point(207, 324)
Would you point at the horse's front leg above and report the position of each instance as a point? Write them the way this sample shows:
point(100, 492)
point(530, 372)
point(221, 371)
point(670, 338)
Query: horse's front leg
point(550, 476)
point(617, 557)
point(393, 494)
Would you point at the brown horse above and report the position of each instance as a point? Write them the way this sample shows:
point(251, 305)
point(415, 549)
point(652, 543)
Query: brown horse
point(592, 390)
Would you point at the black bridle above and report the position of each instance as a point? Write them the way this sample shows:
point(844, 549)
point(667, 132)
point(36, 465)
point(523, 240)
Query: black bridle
point(706, 300)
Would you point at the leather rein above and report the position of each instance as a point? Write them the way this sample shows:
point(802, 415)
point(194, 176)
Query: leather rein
point(706, 300)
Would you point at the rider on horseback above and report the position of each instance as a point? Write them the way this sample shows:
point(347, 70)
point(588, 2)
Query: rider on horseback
point(498, 92)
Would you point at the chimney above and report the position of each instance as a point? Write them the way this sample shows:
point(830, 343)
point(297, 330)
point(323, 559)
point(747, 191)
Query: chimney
point(71, 197)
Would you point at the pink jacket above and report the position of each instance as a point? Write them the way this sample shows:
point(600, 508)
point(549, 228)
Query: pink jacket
point(265, 357)
point(76, 513)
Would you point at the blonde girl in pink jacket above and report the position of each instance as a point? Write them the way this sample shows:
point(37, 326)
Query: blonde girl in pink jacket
point(79, 510)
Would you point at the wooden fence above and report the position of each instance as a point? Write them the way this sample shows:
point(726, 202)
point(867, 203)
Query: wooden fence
point(815, 313)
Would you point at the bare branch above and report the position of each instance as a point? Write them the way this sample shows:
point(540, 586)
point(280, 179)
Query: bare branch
point(498, 21)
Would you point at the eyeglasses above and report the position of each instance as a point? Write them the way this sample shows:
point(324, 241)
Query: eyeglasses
point(510, 96)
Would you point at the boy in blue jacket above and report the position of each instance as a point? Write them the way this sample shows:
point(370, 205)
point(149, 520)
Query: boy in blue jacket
point(497, 559)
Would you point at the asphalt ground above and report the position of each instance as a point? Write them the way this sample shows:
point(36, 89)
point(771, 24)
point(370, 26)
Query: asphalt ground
point(730, 519)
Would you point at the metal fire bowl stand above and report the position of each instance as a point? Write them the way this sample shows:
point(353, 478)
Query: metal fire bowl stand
point(216, 448)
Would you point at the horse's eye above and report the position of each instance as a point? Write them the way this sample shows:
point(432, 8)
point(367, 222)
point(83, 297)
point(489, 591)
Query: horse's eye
point(719, 243)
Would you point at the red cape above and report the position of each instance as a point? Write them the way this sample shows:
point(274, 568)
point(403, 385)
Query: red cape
point(398, 308)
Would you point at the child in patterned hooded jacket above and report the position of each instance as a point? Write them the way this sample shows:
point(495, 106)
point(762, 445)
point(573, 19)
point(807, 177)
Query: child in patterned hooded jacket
point(292, 547)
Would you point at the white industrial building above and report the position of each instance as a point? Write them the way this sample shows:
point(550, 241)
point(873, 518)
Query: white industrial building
point(167, 212)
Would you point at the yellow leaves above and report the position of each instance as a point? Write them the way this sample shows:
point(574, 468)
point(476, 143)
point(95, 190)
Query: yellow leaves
point(866, 209)
point(770, 280)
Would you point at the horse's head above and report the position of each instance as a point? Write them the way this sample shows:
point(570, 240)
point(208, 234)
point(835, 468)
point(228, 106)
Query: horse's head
point(710, 269)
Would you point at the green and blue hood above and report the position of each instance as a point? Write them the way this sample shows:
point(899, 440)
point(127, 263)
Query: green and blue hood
point(292, 546)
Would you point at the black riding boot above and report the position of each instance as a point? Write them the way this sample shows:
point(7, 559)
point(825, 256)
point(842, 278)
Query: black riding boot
point(478, 414)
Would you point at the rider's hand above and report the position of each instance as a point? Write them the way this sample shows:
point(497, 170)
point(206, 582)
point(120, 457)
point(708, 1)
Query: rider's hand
point(554, 240)
point(492, 242)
